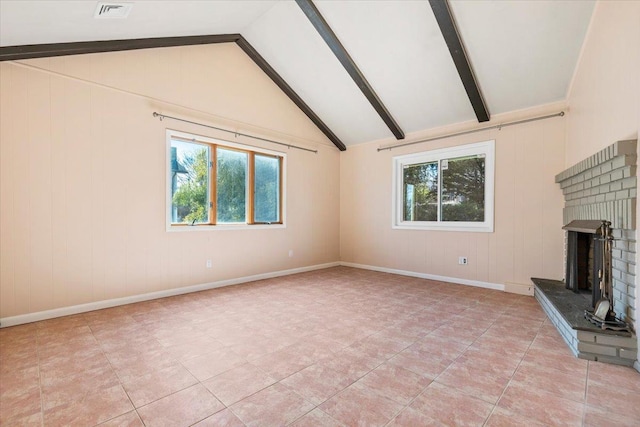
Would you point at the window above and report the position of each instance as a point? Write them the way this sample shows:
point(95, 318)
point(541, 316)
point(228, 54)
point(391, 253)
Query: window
point(446, 189)
point(219, 183)
point(267, 188)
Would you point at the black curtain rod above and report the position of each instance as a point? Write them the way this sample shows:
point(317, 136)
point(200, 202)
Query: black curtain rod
point(164, 116)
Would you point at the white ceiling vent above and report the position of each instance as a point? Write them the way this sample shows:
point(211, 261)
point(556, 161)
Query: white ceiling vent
point(110, 10)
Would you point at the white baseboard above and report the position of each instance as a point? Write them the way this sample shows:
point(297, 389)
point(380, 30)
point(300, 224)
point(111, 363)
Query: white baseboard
point(98, 305)
point(456, 280)
point(519, 288)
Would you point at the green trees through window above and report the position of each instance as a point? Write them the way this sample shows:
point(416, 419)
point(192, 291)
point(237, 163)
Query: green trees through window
point(445, 189)
point(462, 195)
point(231, 186)
point(238, 187)
point(421, 192)
point(190, 182)
point(267, 189)
point(463, 189)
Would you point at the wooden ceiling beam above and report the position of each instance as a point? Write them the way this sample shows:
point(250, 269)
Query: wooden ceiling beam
point(15, 53)
point(451, 35)
point(349, 65)
point(284, 86)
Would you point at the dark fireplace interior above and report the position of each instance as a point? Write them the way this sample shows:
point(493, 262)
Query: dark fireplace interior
point(585, 258)
point(589, 270)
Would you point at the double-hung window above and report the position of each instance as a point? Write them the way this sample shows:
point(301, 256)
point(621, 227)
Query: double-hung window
point(445, 189)
point(217, 183)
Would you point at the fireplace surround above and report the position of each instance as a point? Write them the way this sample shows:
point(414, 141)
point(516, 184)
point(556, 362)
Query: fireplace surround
point(600, 188)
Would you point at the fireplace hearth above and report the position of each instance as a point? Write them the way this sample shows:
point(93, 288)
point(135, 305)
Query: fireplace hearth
point(587, 341)
point(600, 195)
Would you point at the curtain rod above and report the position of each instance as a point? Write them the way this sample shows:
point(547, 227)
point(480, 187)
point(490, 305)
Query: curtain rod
point(164, 116)
point(499, 126)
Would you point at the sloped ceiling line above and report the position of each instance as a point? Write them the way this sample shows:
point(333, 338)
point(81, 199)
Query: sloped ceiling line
point(15, 53)
point(284, 86)
point(447, 25)
point(330, 38)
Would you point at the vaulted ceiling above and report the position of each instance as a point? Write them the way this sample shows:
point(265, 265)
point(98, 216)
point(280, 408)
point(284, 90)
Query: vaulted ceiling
point(522, 53)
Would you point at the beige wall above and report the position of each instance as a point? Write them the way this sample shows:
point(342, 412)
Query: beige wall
point(82, 176)
point(528, 208)
point(605, 93)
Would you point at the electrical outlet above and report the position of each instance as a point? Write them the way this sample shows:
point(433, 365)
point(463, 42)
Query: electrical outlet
point(209, 263)
point(462, 260)
point(290, 253)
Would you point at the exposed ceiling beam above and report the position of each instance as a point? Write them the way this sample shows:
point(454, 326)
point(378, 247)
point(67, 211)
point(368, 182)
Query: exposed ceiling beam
point(282, 84)
point(15, 53)
point(349, 65)
point(452, 37)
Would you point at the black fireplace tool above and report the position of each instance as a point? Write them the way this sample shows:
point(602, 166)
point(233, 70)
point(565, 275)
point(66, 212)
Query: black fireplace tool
point(603, 314)
point(611, 324)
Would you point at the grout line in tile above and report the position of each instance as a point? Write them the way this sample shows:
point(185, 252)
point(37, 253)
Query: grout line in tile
point(40, 381)
point(359, 285)
point(586, 394)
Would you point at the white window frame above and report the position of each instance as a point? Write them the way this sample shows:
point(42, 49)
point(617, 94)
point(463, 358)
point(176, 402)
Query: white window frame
point(170, 227)
point(486, 148)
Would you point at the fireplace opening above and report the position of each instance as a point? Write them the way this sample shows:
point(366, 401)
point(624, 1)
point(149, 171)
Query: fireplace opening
point(586, 250)
point(589, 270)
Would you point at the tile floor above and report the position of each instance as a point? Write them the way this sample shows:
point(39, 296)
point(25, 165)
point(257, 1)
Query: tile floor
point(336, 347)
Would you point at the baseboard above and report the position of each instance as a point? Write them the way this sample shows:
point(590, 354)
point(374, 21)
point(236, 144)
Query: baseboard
point(98, 305)
point(519, 288)
point(456, 280)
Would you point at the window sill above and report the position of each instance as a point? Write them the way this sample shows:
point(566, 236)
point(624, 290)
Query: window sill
point(445, 227)
point(191, 228)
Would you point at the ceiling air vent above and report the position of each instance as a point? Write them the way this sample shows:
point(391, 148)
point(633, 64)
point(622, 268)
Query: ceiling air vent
point(110, 10)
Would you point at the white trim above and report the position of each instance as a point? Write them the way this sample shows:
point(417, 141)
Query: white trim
point(519, 288)
point(188, 228)
point(397, 204)
point(458, 281)
point(98, 305)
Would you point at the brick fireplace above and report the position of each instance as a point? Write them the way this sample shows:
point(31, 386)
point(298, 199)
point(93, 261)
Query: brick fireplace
point(600, 188)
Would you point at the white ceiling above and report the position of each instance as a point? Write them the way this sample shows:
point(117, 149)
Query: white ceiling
point(523, 52)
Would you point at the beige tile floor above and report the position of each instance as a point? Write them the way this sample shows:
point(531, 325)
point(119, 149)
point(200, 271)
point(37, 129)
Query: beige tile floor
point(336, 347)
